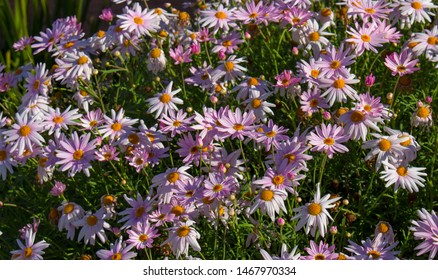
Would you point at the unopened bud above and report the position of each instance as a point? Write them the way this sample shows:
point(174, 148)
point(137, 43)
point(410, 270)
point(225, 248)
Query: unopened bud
point(326, 115)
point(214, 99)
point(95, 72)
point(281, 222)
point(345, 202)
point(299, 199)
point(295, 51)
point(389, 95)
point(117, 53)
point(333, 230)
point(123, 182)
point(429, 99)
point(167, 5)
point(247, 35)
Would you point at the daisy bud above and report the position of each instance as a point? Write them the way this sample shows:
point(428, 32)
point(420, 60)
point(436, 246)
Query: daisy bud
point(299, 199)
point(195, 48)
point(221, 55)
point(295, 51)
point(232, 197)
point(85, 257)
point(389, 96)
point(117, 54)
point(333, 230)
point(8, 122)
point(106, 15)
point(348, 235)
point(231, 212)
point(189, 109)
point(247, 35)
point(222, 169)
point(95, 72)
point(123, 182)
point(369, 80)
point(167, 5)
point(117, 232)
point(214, 99)
point(326, 115)
point(419, 104)
point(345, 202)
point(429, 99)
point(281, 222)
point(157, 79)
point(1, 204)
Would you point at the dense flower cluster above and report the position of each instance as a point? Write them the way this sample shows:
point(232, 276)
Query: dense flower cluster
point(197, 156)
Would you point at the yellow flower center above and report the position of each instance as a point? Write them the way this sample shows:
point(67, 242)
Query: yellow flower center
point(69, 44)
point(165, 98)
point(314, 209)
point(271, 134)
point(402, 171)
point(339, 83)
point(116, 257)
point(366, 38)
point(267, 195)
point(28, 252)
point(319, 257)
point(183, 231)
point(335, 64)
point(423, 112)
point(238, 127)
point(173, 177)
point(313, 103)
point(177, 210)
point(189, 194)
point(374, 254)
point(133, 138)
point(139, 161)
point(385, 145)
point(253, 81)
point(277, 180)
point(416, 5)
point(407, 142)
point(356, 116)
point(401, 68)
point(218, 188)
point(329, 141)
point(326, 12)
point(138, 20)
point(163, 33)
point(92, 220)
point(41, 162)
point(3, 155)
point(314, 73)
point(176, 123)
point(143, 237)
point(256, 103)
point(221, 15)
point(314, 36)
point(155, 53)
point(229, 66)
point(100, 34)
point(183, 16)
point(36, 84)
point(383, 227)
point(158, 11)
point(82, 60)
point(58, 119)
point(432, 40)
point(290, 158)
point(253, 15)
point(78, 154)
point(93, 123)
point(68, 208)
point(24, 131)
point(139, 211)
point(108, 199)
point(194, 150)
point(370, 10)
point(83, 93)
point(226, 43)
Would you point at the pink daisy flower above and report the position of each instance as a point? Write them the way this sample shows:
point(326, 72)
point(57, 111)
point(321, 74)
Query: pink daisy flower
point(92, 225)
point(402, 64)
point(137, 213)
point(426, 230)
point(312, 102)
point(221, 18)
point(29, 250)
point(37, 84)
point(271, 135)
point(181, 236)
point(229, 43)
point(179, 55)
point(117, 125)
point(338, 88)
point(142, 235)
point(328, 139)
point(286, 82)
point(364, 38)
point(138, 20)
point(164, 101)
point(176, 123)
point(218, 186)
point(118, 251)
point(335, 62)
point(24, 133)
point(320, 252)
point(230, 69)
point(376, 249)
point(236, 124)
point(76, 154)
point(55, 121)
point(356, 124)
point(251, 13)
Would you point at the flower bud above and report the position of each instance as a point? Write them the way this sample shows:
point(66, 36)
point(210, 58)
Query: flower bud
point(369, 80)
point(214, 99)
point(281, 222)
point(333, 230)
point(429, 99)
point(326, 115)
point(345, 202)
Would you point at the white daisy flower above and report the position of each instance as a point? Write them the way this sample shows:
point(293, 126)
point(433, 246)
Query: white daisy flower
point(270, 201)
point(314, 214)
point(406, 177)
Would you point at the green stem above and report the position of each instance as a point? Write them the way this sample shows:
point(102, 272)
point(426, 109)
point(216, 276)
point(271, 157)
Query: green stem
point(324, 161)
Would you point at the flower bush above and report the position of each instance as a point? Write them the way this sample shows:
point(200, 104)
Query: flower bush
point(229, 130)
